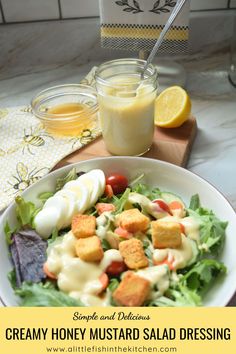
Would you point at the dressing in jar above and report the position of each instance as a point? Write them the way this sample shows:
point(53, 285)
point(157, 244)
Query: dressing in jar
point(126, 105)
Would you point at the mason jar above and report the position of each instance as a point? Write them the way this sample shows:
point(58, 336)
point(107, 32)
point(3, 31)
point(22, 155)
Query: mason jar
point(126, 105)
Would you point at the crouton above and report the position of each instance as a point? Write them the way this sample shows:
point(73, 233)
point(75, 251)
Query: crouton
point(132, 291)
point(89, 249)
point(166, 234)
point(83, 225)
point(133, 253)
point(133, 220)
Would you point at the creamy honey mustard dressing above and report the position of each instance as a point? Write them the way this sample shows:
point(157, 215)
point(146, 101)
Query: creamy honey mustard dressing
point(110, 256)
point(175, 277)
point(140, 199)
point(145, 203)
point(60, 251)
point(103, 223)
point(79, 275)
point(127, 116)
point(75, 277)
point(179, 213)
point(191, 228)
point(157, 275)
point(203, 247)
point(101, 231)
point(179, 256)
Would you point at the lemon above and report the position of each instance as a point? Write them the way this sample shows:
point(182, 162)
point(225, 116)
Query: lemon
point(172, 107)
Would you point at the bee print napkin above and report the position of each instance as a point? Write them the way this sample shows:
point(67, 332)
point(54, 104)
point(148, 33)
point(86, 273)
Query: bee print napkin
point(136, 24)
point(28, 152)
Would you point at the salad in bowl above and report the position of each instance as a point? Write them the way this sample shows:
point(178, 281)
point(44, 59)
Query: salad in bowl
point(98, 236)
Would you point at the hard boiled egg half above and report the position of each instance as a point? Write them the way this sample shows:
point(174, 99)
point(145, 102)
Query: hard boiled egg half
point(76, 196)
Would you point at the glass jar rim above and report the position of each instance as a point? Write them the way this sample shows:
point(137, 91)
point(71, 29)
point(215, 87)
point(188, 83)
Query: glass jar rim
point(121, 61)
point(48, 94)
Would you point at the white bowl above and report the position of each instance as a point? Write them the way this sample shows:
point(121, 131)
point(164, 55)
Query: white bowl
point(167, 177)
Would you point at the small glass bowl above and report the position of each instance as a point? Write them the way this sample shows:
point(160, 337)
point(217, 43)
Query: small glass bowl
point(69, 124)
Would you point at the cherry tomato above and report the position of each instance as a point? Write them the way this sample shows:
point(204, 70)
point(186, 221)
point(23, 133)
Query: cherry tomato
point(163, 205)
point(118, 183)
point(116, 268)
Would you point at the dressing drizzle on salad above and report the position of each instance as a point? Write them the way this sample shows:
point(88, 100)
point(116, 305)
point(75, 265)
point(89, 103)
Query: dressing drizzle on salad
point(138, 247)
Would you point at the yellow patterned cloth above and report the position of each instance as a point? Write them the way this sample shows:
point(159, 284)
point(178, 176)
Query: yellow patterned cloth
point(28, 152)
point(136, 25)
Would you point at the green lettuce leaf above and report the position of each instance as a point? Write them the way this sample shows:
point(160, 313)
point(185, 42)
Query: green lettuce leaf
point(113, 284)
point(180, 296)
point(72, 175)
point(201, 276)
point(212, 230)
point(53, 238)
point(12, 278)
point(38, 295)
point(8, 234)
point(45, 196)
point(151, 193)
point(136, 180)
point(25, 212)
point(194, 202)
point(105, 245)
point(120, 201)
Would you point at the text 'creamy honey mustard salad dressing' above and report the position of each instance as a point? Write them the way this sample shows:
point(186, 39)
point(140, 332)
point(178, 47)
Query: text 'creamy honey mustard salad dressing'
point(97, 241)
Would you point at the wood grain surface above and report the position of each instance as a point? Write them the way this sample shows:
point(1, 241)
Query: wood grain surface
point(171, 145)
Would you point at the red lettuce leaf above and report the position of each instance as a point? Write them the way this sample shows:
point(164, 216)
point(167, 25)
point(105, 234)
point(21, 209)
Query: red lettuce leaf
point(28, 252)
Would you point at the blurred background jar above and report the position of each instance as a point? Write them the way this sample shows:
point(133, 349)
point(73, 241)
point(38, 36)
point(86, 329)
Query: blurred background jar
point(126, 105)
point(232, 69)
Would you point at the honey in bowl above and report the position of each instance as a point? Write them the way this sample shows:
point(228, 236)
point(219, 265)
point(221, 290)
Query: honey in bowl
point(70, 127)
point(66, 110)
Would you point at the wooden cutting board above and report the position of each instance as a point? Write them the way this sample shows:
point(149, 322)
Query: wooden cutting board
point(171, 145)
